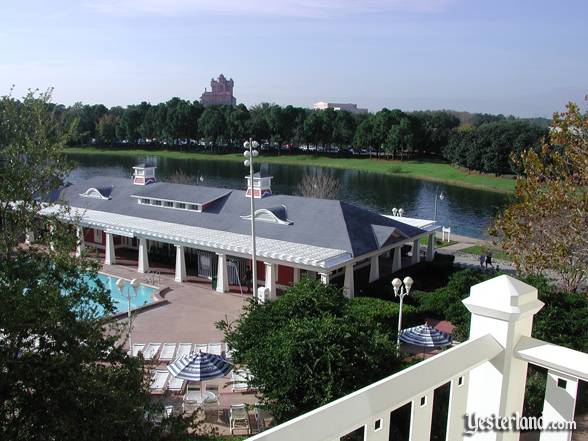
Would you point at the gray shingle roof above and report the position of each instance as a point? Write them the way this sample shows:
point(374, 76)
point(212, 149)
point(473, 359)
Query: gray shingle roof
point(319, 222)
point(191, 194)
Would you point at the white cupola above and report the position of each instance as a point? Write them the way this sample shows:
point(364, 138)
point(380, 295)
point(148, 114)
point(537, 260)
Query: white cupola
point(143, 174)
point(262, 185)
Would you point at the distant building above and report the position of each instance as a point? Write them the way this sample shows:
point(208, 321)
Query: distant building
point(221, 92)
point(349, 107)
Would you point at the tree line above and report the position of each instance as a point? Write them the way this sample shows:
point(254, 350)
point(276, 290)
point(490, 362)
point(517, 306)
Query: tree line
point(480, 142)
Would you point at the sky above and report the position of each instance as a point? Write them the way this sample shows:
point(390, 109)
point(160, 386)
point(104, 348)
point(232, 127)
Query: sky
point(520, 57)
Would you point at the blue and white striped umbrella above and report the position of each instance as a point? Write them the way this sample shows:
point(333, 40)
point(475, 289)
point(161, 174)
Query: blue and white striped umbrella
point(199, 366)
point(425, 336)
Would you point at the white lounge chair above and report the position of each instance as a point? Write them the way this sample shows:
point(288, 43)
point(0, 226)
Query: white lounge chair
point(214, 348)
point(137, 348)
point(199, 347)
point(183, 349)
point(175, 385)
point(167, 352)
point(151, 351)
point(240, 380)
point(228, 352)
point(192, 398)
point(158, 382)
point(239, 418)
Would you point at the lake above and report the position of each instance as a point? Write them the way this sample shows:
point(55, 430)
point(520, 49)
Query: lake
point(467, 211)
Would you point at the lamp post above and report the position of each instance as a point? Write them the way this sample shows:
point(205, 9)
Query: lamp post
point(250, 153)
point(401, 289)
point(439, 196)
point(120, 283)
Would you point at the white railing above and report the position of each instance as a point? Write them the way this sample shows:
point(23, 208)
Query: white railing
point(486, 376)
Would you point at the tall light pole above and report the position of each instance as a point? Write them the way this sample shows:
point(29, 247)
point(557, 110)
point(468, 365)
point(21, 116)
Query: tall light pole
point(134, 285)
point(401, 289)
point(439, 196)
point(250, 153)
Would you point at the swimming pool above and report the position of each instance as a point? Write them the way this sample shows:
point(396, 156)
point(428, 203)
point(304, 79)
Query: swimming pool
point(144, 294)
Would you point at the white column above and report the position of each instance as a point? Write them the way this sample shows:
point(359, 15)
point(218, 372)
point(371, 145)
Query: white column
point(420, 417)
point(416, 255)
point(397, 262)
point(222, 274)
point(431, 247)
point(374, 268)
point(29, 237)
point(296, 275)
point(559, 404)
point(270, 279)
point(458, 394)
point(80, 241)
point(348, 282)
point(325, 278)
point(109, 255)
point(180, 264)
point(504, 308)
point(143, 256)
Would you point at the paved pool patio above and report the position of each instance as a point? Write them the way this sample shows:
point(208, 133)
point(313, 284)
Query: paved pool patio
point(189, 313)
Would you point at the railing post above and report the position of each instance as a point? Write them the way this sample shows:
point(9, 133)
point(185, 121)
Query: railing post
point(504, 308)
point(378, 428)
point(458, 394)
point(559, 405)
point(421, 416)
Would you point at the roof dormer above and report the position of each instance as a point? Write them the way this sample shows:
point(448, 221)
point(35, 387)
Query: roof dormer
point(273, 215)
point(98, 193)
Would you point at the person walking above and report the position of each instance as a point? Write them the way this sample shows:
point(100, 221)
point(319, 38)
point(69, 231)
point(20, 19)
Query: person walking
point(482, 259)
point(489, 260)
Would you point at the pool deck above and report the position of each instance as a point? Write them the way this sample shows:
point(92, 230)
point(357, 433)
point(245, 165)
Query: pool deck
point(189, 313)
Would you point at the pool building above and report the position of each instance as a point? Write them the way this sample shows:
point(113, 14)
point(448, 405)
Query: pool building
point(206, 230)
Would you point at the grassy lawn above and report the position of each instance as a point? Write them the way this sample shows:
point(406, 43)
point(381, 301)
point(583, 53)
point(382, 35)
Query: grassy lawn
point(496, 252)
point(438, 242)
point(431, 171)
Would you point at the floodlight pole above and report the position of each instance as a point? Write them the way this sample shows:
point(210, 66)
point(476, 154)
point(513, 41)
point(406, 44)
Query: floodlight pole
point(401, 289)
point(249, 154)
point(437, 196)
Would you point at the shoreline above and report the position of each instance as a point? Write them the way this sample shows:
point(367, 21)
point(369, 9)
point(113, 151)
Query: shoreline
point(429, 171)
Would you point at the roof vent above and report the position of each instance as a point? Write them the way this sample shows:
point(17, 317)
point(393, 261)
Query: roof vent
point(144, 174)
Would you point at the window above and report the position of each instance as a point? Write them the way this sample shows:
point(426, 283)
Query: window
point(156, 202)
point(180, 205)
point(145, 201)
point(423, 401)
point(562, 383)
point(460, 381)
point(168, 204)
point(193, 207)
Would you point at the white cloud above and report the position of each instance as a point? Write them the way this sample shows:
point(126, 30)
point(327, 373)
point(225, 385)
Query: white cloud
point(292, 8)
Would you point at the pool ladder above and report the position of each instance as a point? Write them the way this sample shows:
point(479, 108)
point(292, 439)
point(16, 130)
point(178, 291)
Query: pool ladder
point(152, 276)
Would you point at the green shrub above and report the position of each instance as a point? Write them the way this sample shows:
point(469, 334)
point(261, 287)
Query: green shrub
point(310, 346)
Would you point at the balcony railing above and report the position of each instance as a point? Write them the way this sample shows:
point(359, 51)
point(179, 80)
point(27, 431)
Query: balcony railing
point(486, 376)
